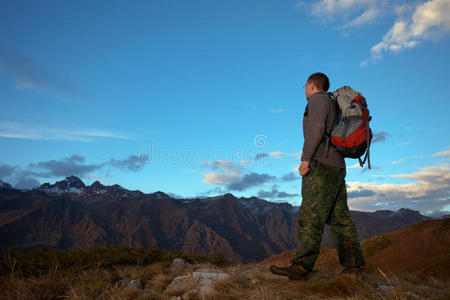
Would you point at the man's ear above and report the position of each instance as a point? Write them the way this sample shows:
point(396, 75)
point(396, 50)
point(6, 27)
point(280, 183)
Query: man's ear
point(314, 87)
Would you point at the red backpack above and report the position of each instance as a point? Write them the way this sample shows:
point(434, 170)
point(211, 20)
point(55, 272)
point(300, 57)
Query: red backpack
point(350, 134)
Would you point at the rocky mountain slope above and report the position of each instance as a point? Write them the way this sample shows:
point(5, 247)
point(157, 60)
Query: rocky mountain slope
point(70, 214)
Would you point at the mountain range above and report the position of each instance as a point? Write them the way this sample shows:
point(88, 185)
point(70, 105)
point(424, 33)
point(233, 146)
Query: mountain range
point(70, 214)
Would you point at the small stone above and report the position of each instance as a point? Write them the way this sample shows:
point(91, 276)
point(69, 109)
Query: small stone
point(210, 274)
point(414, 295)
point(176, 281)
point(385, 288)
point(179, 263)
point(124, 282)
point(135, 284)
point(254, 270)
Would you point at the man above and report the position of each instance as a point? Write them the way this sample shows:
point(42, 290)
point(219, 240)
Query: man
point(324, 194)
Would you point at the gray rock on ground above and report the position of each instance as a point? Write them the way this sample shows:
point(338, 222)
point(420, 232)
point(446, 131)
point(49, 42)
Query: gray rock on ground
point(202, 279)
point(385, 288)
point(179, 263)
point(124, 282)
point(136, 283)
point(207, 278)
point(176, 282)
point(253, 270)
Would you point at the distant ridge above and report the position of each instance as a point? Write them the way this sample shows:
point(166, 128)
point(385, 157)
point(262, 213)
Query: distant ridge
point(5, 185)
point(70, 214)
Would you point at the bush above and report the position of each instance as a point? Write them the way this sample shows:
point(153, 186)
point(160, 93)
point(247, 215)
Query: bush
point(40, 261)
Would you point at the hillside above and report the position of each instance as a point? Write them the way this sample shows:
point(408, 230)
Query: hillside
point(421, 249)
point(411, 263)
point(69, 214)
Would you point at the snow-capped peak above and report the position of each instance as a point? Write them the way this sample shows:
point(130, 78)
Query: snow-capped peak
point(71, 184)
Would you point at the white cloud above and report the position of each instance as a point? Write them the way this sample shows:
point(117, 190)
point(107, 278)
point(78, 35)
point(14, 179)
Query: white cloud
point(349, 13)
point(276, 110)
point(442, 153)
point(405, 10)
point(277, 154)
point(231, 176)
point(366, 17)
point(333, 6)
point(228, 172)
point(429, 19)
point(397, 161)
point(364, 64)
point(36, 132)
point(220, 178)
point(430, 191)
point(433, 174)
point(414, 23)
point(354, 166)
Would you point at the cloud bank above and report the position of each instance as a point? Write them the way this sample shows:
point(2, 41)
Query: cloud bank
point(37, 132)
point(429, 20)
point(429, 191)
point(74, 165)
point(28, 74)
point(414, 22)
point(232, 178)
point(274, 193)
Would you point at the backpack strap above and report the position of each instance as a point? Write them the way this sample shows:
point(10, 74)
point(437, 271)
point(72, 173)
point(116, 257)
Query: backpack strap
point(367, 156)
point(329, 126)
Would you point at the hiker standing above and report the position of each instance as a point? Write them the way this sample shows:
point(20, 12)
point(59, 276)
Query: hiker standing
point(324, 193)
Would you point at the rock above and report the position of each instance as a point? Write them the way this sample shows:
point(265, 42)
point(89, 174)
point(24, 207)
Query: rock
point(210, 274)
point(176, 281)
point(124, 282)
point(385, 288)
point(136, 283)
point(202, 279)
point(414, 295)
point(207, 279)
point(253, 270)
point(179, 263)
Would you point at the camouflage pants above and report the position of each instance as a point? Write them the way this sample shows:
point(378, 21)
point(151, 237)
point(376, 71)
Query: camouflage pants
point(325, 202)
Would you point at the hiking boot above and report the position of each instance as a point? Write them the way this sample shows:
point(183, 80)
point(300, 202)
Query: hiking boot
point(352, 270)
point(293, 272)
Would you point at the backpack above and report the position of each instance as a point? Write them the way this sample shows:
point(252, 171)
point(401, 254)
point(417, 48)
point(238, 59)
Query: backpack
point(350, 133)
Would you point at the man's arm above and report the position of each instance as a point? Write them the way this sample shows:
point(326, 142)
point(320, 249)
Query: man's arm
point(315, 125)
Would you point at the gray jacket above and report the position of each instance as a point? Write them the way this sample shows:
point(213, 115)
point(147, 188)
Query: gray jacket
point(315, 121)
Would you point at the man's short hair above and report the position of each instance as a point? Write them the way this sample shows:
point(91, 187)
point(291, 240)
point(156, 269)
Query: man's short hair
point(320, 80)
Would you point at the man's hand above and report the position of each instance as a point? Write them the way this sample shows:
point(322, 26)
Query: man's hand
point(304, 168)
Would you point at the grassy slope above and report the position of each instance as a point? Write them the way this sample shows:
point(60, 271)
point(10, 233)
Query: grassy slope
point(413, 262)
point(422, 249)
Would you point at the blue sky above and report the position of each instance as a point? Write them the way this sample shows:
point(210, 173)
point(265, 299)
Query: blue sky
point(200, 98)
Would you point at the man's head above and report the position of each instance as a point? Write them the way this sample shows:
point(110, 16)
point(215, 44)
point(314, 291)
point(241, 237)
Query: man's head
point(317, 82)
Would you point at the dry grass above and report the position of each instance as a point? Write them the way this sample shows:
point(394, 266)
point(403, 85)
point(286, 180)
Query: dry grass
point(257, 284)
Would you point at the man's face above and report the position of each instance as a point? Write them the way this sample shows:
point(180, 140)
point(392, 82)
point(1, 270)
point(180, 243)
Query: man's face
point(309, 87)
